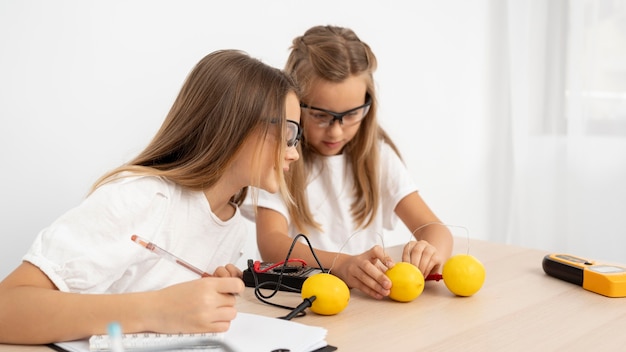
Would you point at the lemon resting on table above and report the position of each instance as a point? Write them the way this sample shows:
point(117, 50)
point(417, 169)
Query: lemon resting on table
point(463, 274)
point(331, 293)
point(407, 282)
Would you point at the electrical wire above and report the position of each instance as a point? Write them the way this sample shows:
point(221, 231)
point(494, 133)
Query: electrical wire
point(296, 311)
point(446, 225)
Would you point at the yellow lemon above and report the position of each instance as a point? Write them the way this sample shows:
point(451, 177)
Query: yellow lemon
point(463, 274)
point(331, 293)
point(407, 282)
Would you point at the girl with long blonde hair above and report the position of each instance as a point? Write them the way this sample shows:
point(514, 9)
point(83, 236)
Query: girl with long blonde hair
point(234, 124)
point(351, 183)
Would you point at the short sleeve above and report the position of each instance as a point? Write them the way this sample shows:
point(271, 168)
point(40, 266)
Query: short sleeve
point(86, 249)
point(396, 183)
point(263, 199)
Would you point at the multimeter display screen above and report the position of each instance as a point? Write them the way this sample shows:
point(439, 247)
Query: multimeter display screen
point(606, 269)
point(571, 258)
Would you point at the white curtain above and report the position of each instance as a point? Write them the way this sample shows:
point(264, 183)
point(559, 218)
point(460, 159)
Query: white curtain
point(556, 101)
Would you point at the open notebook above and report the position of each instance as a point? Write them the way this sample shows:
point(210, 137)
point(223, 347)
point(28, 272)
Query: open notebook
point(248, 332)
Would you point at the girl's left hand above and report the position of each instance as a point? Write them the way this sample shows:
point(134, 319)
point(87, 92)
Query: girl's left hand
point(423, 255)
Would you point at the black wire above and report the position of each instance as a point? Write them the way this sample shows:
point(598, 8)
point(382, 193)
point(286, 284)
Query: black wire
point(277, 285)
point(306, 303)
point(310, 247)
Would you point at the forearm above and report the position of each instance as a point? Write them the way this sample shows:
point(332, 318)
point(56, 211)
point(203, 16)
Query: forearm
point(424, 224)
point(33, 315)
point(439, 236)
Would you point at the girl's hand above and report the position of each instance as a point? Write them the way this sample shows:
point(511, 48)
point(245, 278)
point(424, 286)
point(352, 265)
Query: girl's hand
point(423, 255)
point(203, 305)
point(366, 272)
point(228, 271)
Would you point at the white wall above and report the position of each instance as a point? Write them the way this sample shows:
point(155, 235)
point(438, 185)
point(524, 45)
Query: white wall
point(85, 84)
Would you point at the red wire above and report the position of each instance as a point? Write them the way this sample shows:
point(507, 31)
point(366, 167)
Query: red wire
point(257, 268)
point(257, 265)
point(434, 277)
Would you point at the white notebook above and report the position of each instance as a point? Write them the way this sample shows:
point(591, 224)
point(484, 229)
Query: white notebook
point(248, 332)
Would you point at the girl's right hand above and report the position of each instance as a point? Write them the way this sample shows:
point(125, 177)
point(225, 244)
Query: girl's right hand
point(202, 305)
point(366, 272)
point(230, 270)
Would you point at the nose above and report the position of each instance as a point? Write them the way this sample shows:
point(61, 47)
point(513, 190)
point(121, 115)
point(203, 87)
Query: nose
point(292, 155)
point(335, 128)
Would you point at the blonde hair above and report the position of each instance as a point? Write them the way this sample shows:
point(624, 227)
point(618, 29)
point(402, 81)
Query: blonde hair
point(226, 97)
point(334, 54)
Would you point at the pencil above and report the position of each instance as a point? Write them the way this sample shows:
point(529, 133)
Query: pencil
point(167, 255)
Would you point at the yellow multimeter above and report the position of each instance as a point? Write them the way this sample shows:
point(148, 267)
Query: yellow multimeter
point(604, 279)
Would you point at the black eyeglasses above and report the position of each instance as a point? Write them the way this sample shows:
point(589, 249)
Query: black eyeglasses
point(294, 133)
point(325, 118)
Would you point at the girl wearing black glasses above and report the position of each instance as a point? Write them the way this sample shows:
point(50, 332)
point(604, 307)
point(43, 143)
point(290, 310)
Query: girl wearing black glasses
point(235, 123)
point(352, 183)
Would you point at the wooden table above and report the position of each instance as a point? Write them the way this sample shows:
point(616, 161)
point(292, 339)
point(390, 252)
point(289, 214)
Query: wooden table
point(519, 308)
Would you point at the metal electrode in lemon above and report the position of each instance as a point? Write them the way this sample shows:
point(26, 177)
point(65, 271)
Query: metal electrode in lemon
point(331, 293)
point(463, 274)
point(407, 282)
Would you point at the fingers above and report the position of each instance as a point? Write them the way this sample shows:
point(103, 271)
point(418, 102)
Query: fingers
point(366, 272)
point(377, 254)
point(234, 271)
point(220, 299)
point(221, 272)
point(423, 255)
point(219, 318)
point(230, 285)
point(229, 270)
point(208, 305)
point(219, 326)
point(371, 281)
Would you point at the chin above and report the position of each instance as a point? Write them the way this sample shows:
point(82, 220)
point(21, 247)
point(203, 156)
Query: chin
point(327, 151)
point(273, 188)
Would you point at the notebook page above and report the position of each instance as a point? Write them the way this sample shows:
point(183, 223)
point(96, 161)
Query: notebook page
point(248, 332)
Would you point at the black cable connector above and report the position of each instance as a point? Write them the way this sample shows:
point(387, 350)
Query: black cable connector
point(306, 303)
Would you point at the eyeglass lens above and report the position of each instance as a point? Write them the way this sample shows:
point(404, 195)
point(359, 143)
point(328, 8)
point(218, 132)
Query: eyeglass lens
point(325, 118)
point(294, 133)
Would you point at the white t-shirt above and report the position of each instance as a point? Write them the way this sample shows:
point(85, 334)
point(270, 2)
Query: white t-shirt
point(330, 194)
point(89, 248)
